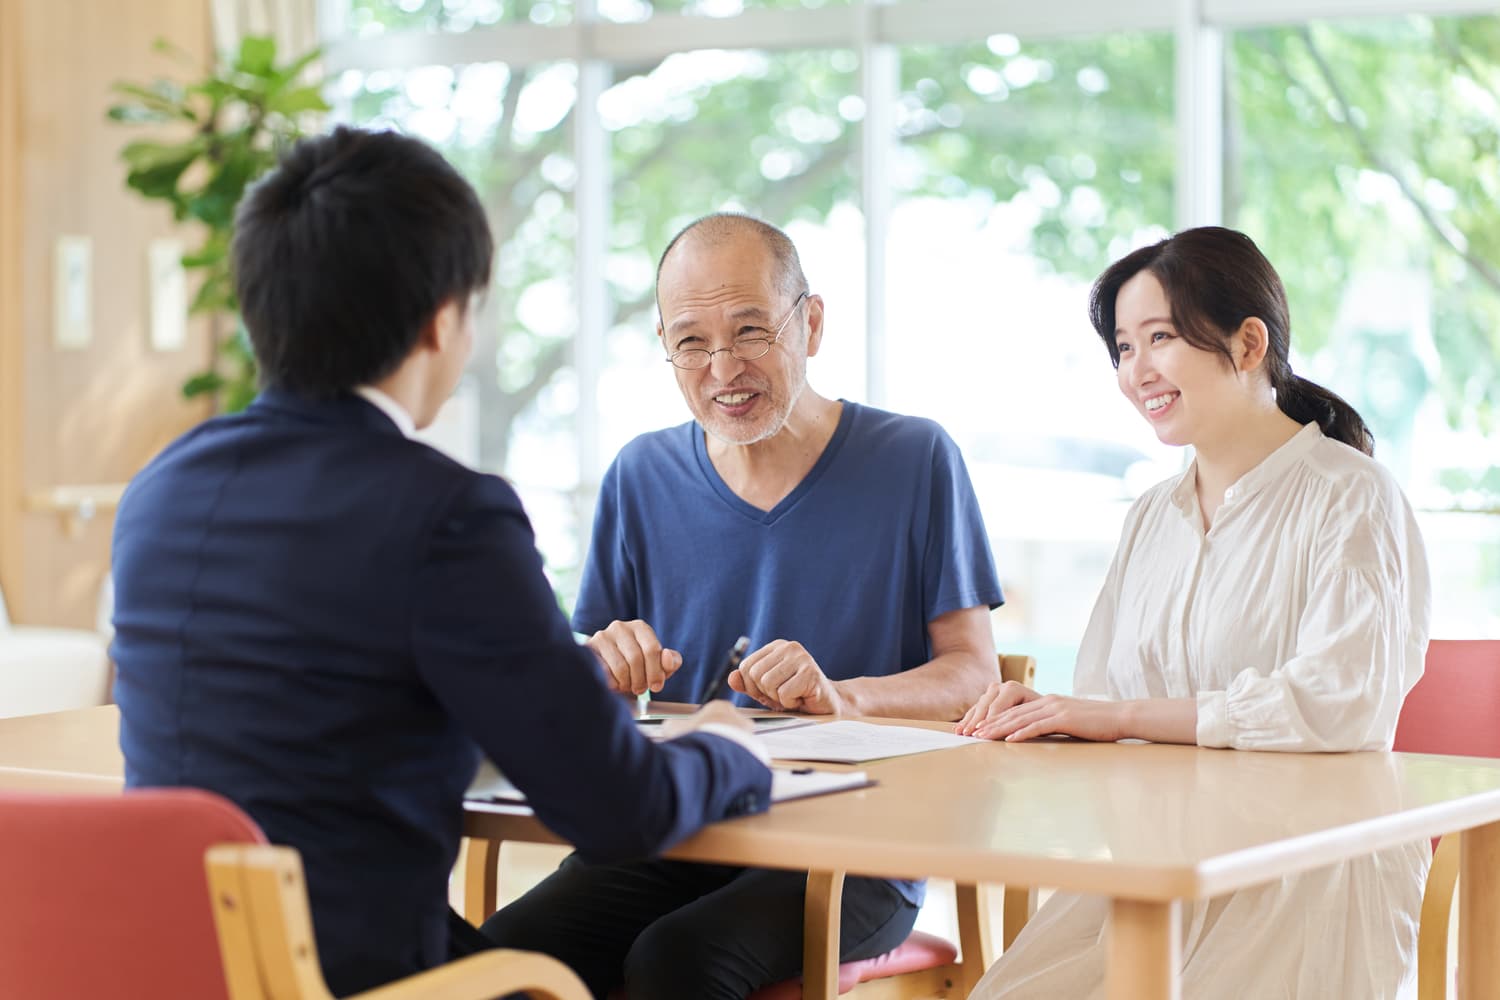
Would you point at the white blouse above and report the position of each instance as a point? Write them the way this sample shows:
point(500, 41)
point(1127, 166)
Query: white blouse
point(1298, 621)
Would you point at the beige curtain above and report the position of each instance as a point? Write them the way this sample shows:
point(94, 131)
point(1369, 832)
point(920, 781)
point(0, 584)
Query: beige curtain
point(293, 23)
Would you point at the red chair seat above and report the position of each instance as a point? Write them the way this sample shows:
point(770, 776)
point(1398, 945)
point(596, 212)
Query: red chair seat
point(919, 951)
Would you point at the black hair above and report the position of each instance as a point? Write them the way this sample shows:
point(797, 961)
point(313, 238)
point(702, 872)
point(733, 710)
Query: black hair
point(1215, 279)
point(345, 251)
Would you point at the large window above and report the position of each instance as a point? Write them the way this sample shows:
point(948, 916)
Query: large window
point(505, 128)
point(1364, 154)
point(771, 134)
point(1000, 157)
point(1022, 170)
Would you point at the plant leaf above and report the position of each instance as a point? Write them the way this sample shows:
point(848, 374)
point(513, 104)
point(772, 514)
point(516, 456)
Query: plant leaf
point(257, 56)
point(292, 102)
point(201, 383)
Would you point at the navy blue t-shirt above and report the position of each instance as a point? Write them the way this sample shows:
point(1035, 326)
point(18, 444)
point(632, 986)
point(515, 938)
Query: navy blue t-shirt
point(881, 537)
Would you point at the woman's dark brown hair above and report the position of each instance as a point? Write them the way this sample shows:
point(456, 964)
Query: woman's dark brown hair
point(1215, 279)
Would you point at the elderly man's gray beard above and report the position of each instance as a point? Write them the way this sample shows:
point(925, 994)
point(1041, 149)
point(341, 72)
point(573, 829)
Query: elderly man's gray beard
point(776, 425)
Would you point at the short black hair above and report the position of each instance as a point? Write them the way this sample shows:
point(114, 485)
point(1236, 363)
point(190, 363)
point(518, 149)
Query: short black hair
point(346, 250)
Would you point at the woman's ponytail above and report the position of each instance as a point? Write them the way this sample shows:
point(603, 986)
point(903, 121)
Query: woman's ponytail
point(1306, 401)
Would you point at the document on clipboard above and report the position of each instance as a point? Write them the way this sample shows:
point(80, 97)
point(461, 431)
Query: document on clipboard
point(490, 787)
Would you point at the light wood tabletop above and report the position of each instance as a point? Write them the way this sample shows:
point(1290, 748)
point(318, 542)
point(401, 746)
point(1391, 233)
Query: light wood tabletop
point(78, 750)
point(1146, 824)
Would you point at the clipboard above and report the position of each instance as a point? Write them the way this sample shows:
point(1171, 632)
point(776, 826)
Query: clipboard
point(491, 788)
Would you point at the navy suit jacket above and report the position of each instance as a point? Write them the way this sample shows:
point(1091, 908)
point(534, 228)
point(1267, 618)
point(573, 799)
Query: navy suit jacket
point(327, 622)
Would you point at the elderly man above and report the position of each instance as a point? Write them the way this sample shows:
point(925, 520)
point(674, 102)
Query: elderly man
point(847, 544)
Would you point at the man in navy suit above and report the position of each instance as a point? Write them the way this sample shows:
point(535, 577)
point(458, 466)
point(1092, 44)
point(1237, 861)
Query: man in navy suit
point(328, 622)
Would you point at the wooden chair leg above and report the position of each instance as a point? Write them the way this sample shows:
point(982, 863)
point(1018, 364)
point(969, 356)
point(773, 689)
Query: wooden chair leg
point(481, 879)
point(1432, 934)
point(1018, 907)
point(974, 933)
point(822, 913)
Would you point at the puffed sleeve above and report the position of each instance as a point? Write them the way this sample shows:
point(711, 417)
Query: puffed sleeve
point(1361, 637)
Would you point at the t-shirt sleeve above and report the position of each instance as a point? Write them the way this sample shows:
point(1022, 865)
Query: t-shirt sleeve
point(959, 569)
point(607, 591)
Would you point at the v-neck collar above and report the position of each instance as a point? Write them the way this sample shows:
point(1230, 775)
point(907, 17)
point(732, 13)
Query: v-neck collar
point(847, 417)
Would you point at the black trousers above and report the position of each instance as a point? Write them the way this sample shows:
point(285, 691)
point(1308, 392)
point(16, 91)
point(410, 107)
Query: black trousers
point(671, 930)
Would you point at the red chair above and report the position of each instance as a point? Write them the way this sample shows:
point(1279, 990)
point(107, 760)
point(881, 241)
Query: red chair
point(105, 896)
point(173, 893)
point(1452, 710)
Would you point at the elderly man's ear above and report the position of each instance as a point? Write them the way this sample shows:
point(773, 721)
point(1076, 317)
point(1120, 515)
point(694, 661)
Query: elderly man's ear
point(814, 309)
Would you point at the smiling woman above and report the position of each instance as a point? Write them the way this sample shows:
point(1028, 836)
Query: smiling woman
point(1275, 596)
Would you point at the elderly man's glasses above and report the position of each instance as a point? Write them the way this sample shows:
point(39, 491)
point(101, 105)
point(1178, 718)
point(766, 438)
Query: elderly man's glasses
point(745, 349)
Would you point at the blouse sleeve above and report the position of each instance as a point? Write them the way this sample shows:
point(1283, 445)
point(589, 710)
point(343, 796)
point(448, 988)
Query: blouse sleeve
point(1361, 638)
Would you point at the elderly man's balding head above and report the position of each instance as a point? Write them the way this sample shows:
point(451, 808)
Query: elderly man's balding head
point(725, 227)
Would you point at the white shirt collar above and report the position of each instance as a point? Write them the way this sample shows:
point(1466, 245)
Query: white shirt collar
point(385, 404)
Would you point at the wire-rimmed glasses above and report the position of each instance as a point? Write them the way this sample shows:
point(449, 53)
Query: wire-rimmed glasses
point(694, 359)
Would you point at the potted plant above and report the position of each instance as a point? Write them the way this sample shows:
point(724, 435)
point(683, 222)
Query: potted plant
point(231, 127)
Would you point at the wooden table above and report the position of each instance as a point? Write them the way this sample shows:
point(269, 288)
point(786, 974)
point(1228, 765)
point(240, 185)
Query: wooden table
point(1145, 824)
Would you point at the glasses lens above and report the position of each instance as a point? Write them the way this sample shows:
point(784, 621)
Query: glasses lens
point(690, 360)
point(749, 350)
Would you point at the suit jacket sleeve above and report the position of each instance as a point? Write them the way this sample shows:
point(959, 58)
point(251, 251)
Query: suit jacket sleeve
point(492, 644)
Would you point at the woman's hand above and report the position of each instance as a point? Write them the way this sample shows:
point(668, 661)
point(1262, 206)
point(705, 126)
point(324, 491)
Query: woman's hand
point(997, 699)
point(1055, 714)
point(1014, 712)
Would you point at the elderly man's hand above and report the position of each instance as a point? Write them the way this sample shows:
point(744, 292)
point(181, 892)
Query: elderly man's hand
point(783, 676)
point(633, 657)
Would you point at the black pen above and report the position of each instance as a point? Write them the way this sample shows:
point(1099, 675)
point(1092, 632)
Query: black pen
point(719, 685)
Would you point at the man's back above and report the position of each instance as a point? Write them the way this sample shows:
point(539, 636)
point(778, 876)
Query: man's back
point(314, 617)
point(267, 566)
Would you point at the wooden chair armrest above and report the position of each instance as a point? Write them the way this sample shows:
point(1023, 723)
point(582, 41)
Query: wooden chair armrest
point(1018, 668)
point(485, 976)
point(266, 939)
point(1432, 932)
point(263, 922)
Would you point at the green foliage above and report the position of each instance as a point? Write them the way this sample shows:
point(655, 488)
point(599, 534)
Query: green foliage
point(1350, 148)
point(225, 130)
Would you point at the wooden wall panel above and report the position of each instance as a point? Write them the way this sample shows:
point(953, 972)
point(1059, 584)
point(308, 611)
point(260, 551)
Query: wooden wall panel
point(95, 414)
point(10, 293)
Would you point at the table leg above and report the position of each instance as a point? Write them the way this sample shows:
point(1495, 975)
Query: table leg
point(1479, 913)
point(1145, 947)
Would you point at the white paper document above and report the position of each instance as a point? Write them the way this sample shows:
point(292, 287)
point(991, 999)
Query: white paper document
point(652, 725)
point(848, 742)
